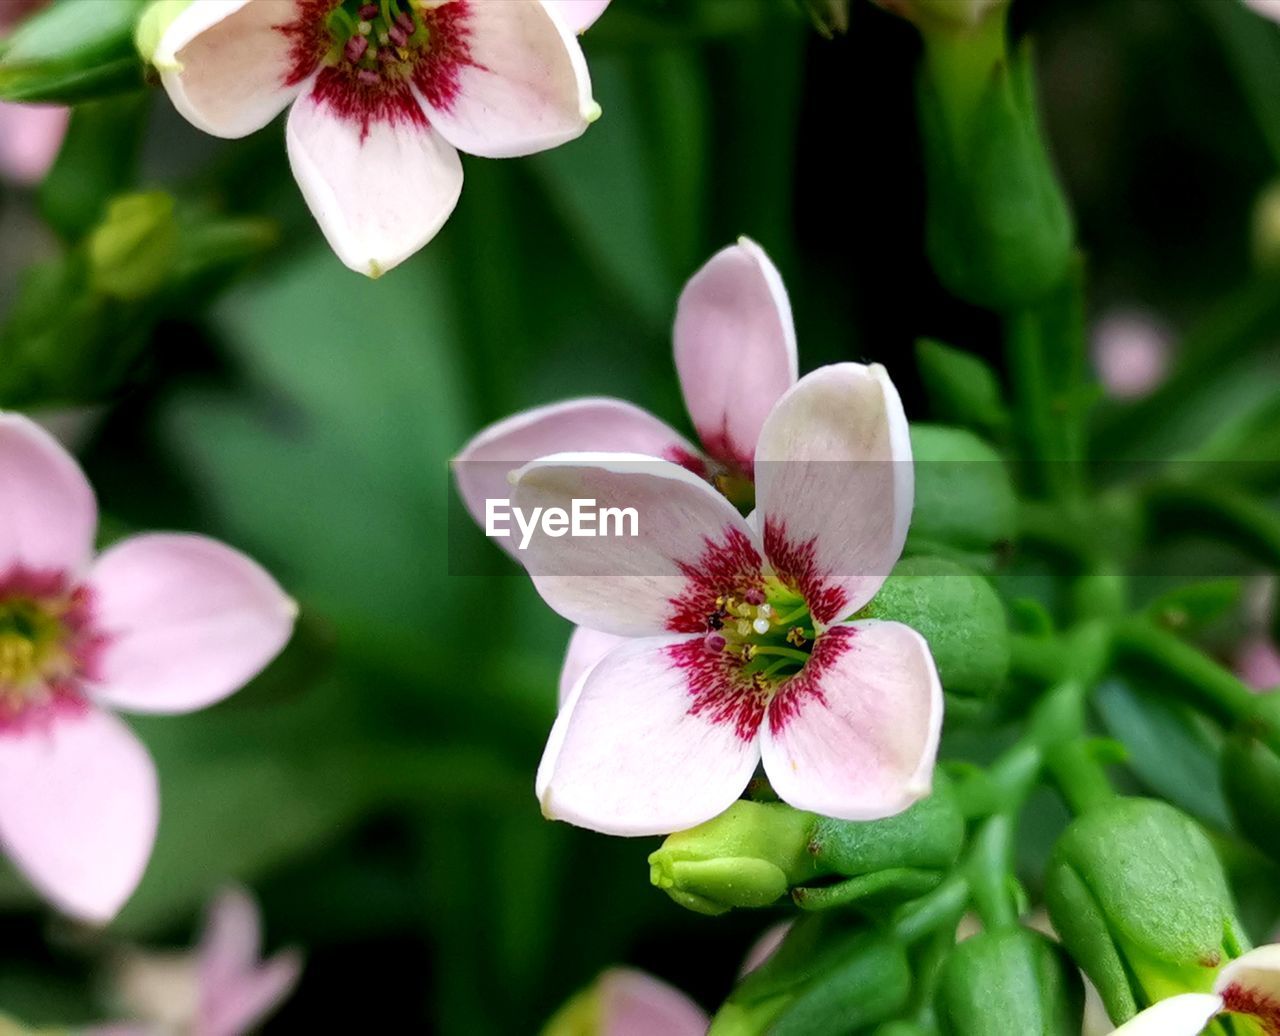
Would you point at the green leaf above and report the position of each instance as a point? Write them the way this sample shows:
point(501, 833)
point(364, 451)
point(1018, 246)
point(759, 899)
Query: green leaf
point(964, 497)
point(962, 389)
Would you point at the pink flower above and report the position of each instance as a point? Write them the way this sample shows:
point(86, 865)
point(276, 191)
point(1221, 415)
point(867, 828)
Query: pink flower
point(735, 648)
point(1258, 663)
point(386, 95)
point(1266, 8)
point(633, 1003)
point(1131, 352)
point(158, 623)
point(735, 351)
point(30, 134)
point(223, 988)
point(1248, 986)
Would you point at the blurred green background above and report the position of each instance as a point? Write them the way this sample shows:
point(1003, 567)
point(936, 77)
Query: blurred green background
point(375, 786)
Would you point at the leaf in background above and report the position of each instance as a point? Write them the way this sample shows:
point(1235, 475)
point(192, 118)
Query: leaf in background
point(962, 389)
point(1169, 748)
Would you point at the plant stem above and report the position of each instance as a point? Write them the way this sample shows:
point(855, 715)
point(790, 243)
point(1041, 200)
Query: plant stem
point(989, 868)
point(1080, 776)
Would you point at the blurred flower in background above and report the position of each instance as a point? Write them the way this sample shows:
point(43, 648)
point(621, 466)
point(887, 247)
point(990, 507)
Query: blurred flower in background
point(627, 1002)
point(1132, 351)
point(30, 134)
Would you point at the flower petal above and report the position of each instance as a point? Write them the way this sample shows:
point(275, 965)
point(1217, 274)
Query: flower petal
point(48, 516)
point(1184, 1015)
point(834, 486)
point(256, 994)
point(735, 347)
point(231, 941)
point(379, 188)
point(30, 138)
point(1266, 8)
point(586, 648)
point(855, 734)
point(597, 424)
point(189, 622)
point(579, 15)
point(78, 810)
point(765, 947)
point(690, 546)
point(228, 67)
point(633, 753)
point(633, 1003)
point(504, 79)
point(1250, 984)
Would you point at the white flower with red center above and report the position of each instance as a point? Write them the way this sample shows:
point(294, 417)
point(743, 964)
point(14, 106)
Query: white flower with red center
point(1248, 987)
point(158, 623)
point(735, 352)
point(733, 647)
point(385, 94)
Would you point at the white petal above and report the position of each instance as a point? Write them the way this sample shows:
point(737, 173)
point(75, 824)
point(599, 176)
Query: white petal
point(586, 648)
point(834, 486)
point(504, 79)
point(1250, 984)
point(380, 190)
point(647, 743)
point(1183, 1015)
point(735, 349)
point(855, 734)
point(691, 545)
point(227, 66)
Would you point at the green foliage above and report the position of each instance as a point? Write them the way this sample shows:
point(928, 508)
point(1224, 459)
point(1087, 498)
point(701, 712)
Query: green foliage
point(964, 497)
point(962, 389)
point(73, 51)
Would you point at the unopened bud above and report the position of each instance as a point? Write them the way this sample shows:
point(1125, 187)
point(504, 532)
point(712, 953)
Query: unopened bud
point(132, 252)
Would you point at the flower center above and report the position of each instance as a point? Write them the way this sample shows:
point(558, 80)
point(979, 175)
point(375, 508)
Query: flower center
point(767, 629)
point(46, 647)
point(379, 41)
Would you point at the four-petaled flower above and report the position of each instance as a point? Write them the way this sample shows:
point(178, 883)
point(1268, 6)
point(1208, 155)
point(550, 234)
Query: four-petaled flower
point(1247, 986)
point(385, 94)
point(736, 649)
point(159, 623)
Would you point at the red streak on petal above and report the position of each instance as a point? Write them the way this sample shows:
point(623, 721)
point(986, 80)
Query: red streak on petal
point(795, 563)
point(728, 568)
point(806, 685)
point(308, 37)
point(365, 99)
point(439, 74)
point(689, 461)
point(1241, 1000)
point(720, 693)
point(720, 444)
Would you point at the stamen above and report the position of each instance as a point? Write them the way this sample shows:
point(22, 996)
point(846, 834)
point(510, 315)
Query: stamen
point(356, 46)
point(368, 77)
point(397, 36)
point(364, 27)
point(715, 643)
point(761, 626)
point(754, 596)
point(369, 11)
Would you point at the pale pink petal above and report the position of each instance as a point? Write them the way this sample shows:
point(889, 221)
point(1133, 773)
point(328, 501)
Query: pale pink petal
point(735, 347)
point(48, 516)
point(226, 65)
point(596, 425)
point(1184, 1015)
point(854, 735)
point(231, 941)
point(834, 486)
point(1266, 8)
point(633, 1003)
point(511, 78)
point(30, 138)
point(1132, 351)
point(1250, 984)
point(1258, 663)
point(189, 622)
point(579, 15)
point(690, 546)
point(764, 947)
point(586, 648)
point(78, 809)
point(638, 750)
point(379, 190)
point(255, 995)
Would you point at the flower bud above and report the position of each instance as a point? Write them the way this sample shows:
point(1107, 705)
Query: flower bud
point(1140, 900)
point(132, 252)
point(756, 852)
point(1009, 982)
point(964, 497)
point(942, 15)
point(959, 613)
point(1251, 777)
point(158, 16)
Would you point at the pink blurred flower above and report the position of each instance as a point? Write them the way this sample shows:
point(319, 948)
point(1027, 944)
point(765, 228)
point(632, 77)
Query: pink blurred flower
point(1131, 353)
point(375, 132)
point(30, 134)
point(735, 647)
point(1266, 8)
point(158, 623)
point(223, 988)
point(1258, 663)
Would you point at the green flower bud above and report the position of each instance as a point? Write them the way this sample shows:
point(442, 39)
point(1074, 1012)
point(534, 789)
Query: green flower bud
point(821, 982)
point(158, 16)
point(756, 852)
point(1251, 777)
point(1140, 900)
point(74, 52)
point(998, 230)
point(958, 612)
point(964, 497)
point(132, 252)
point(1009, 982)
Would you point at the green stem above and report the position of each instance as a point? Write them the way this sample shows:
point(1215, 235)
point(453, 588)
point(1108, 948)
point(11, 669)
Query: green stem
point(936, 910)
point(989, 868)
point(1217, 510)
point(1080, 776)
